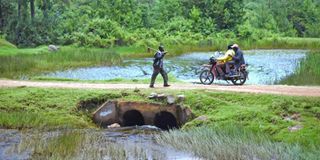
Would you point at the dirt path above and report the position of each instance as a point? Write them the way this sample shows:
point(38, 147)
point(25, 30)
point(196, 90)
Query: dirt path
point(267, 89)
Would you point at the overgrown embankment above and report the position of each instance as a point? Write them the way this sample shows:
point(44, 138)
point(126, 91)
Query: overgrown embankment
point(273, 115)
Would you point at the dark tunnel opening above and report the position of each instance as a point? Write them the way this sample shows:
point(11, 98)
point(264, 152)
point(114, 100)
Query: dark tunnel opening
point(165, 120)
point(133, 118)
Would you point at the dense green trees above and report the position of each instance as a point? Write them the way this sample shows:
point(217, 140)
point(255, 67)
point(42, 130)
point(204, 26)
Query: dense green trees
point(105, 23)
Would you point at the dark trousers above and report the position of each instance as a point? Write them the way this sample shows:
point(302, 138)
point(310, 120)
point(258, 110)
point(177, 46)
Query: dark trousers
point(228, 66)
point(156, 71)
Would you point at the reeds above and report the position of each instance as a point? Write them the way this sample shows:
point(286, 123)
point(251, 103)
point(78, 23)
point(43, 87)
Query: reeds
point(308, 72)
point(233, 143)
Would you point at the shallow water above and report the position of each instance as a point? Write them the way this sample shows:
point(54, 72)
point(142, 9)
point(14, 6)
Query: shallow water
point(265, 67)
point(133, 142)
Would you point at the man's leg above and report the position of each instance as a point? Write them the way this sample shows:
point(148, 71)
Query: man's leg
point(219, 68)
point(228, 68)
point(154, 76)
point(165, 77)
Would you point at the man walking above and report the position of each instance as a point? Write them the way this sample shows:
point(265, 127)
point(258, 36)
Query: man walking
point(158, 68)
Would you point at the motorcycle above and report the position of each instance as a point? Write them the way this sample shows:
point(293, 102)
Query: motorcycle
point(210, 72)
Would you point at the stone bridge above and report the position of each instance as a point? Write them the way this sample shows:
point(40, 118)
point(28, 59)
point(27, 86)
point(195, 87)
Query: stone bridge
point(141, 113)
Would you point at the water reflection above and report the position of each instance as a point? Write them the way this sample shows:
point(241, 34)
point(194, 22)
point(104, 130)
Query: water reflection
point(265, 67)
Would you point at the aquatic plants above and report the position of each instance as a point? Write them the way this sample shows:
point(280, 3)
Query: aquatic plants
point(308, 72)
point(233, 143)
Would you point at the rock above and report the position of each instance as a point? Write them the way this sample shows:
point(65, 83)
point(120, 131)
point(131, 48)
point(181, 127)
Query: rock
point(171, 99)
point(295, 128)
point(161, 96)
point(114, 125)
point(295, 116)
point(181, 98)
point(202, 118)
point(53, 48)
point(153, 95)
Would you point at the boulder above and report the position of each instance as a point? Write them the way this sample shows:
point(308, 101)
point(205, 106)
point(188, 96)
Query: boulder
point(171, 99)
point(53, 48)
point(153, 95)
point(295, 128)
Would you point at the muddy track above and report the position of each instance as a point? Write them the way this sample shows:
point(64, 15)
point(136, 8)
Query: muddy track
point(265, 89)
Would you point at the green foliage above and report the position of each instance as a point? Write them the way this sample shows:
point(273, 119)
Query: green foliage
point(308, 73)
point(105, 23)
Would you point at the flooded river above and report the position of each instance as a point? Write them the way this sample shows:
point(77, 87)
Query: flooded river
point(265, 67)
point(123, 143)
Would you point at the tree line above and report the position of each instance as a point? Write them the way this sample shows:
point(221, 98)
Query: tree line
point(106, 23)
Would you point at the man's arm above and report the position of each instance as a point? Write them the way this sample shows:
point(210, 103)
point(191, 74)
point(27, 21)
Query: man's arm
point(160, 55)
point(237, 56)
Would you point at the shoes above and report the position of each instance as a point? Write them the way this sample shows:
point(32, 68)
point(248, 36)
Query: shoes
point(166, 85)
point(151, 86)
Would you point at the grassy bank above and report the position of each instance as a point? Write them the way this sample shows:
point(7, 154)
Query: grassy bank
point(270, 114)
point(308, 72)
point(15, 66)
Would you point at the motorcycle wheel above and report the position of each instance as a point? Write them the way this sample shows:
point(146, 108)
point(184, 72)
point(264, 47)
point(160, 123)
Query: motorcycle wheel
point(239, 80)
point(206, 77)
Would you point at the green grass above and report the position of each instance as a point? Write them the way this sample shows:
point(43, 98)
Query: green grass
point(17, 66)
point(45, 108)
point(238, 125)
point(259, 113)
point(308, 73)
point(6, 44)
point(233, 143)
point(282, 43)
point(7, 49)
point(57, 108)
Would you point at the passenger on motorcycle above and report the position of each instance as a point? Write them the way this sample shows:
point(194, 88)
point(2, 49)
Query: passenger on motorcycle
point(238, 58)
point(223, 61)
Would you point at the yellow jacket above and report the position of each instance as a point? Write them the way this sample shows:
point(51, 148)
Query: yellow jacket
point(227, 56)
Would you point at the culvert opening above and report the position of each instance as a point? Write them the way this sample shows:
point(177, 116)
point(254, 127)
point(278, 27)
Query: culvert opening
point(133, 118)
point(165, 120)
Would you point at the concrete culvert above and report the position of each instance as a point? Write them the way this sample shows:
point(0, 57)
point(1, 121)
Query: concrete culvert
point(132, 118)
point(165, 120)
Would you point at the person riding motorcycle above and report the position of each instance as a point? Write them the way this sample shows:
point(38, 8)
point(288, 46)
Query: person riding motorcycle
point(222, 61)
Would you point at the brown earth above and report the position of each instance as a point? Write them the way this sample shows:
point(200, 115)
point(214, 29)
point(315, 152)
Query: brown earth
point(313, 91)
